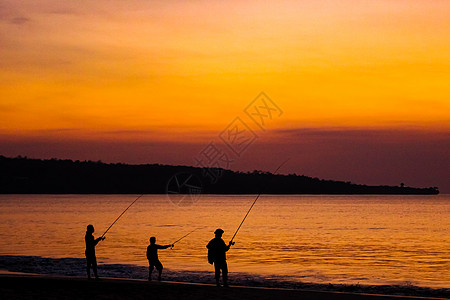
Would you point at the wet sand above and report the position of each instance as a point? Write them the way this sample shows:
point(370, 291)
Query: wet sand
point(48, 287)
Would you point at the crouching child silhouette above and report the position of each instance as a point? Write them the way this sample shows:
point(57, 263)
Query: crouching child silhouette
point(217, 255)
point(152, 256)
point(91, 242)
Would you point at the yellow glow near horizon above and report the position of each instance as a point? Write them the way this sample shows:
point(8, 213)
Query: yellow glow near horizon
point(184, 66)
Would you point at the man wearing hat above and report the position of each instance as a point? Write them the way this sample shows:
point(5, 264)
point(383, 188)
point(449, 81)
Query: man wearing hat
point(217, 254)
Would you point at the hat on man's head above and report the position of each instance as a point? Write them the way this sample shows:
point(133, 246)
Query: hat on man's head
point(218, 230)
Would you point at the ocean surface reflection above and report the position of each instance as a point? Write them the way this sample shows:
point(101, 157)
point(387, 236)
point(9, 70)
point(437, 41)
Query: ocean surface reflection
point(318, 239)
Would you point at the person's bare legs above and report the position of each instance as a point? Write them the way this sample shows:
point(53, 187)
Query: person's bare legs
point(94, 268)
point(159, 267)
point(150, 270)
point(88, 268)
point(91, 262)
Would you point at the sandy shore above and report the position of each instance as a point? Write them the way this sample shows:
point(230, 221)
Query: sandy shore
point(14, 286)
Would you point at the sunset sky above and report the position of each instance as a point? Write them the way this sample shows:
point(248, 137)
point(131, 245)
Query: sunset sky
point(363, 86)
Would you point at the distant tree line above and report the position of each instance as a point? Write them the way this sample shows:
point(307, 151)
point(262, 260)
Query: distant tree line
point(21, 175)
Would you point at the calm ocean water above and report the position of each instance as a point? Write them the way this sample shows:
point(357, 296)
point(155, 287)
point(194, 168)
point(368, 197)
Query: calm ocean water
point(318, 239)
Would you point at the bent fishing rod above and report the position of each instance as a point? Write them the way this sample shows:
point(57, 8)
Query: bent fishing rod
point(256, 199)
point(183, 237)
point(121, 215)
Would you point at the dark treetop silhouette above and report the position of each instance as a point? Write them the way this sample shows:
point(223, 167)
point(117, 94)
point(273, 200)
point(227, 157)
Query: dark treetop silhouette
point(34, 176)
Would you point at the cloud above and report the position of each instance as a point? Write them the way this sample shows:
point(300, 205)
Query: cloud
point(6, 108)
point(19, 20)
point(358, 134)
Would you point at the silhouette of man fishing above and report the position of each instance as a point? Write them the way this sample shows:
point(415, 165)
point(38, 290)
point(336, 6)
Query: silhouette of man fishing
point(91, 242)
point(152, 256)
point(217, 255)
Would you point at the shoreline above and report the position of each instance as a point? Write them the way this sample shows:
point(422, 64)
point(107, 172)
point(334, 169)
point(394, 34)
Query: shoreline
point(75, 268)
point(227, 194)
point(383, 291)
point(20, 286)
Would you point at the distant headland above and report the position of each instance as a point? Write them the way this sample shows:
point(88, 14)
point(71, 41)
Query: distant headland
point(22, 175)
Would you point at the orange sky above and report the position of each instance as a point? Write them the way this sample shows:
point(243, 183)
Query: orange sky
point(180, 71)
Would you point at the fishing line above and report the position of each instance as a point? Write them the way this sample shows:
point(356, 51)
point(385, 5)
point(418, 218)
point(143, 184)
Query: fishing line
point(121, 215)
point(245, 217)
point(183, 237)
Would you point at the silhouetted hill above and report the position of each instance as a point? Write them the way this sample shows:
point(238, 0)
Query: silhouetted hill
point(28, 176)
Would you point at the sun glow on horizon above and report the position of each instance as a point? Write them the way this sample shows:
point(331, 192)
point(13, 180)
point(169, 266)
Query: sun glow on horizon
point(152, 81)
point(168, 66)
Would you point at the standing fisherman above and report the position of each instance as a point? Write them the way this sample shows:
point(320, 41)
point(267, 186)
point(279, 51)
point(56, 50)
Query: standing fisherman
point(152, 256)
point(217, 254)
point(91, 260)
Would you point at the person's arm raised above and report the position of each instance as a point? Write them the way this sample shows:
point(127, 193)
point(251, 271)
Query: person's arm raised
point(98, 240)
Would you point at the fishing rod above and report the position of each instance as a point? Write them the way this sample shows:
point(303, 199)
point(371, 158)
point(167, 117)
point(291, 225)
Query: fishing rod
point(183, 237)
point(245, 217)
point(121, 215)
